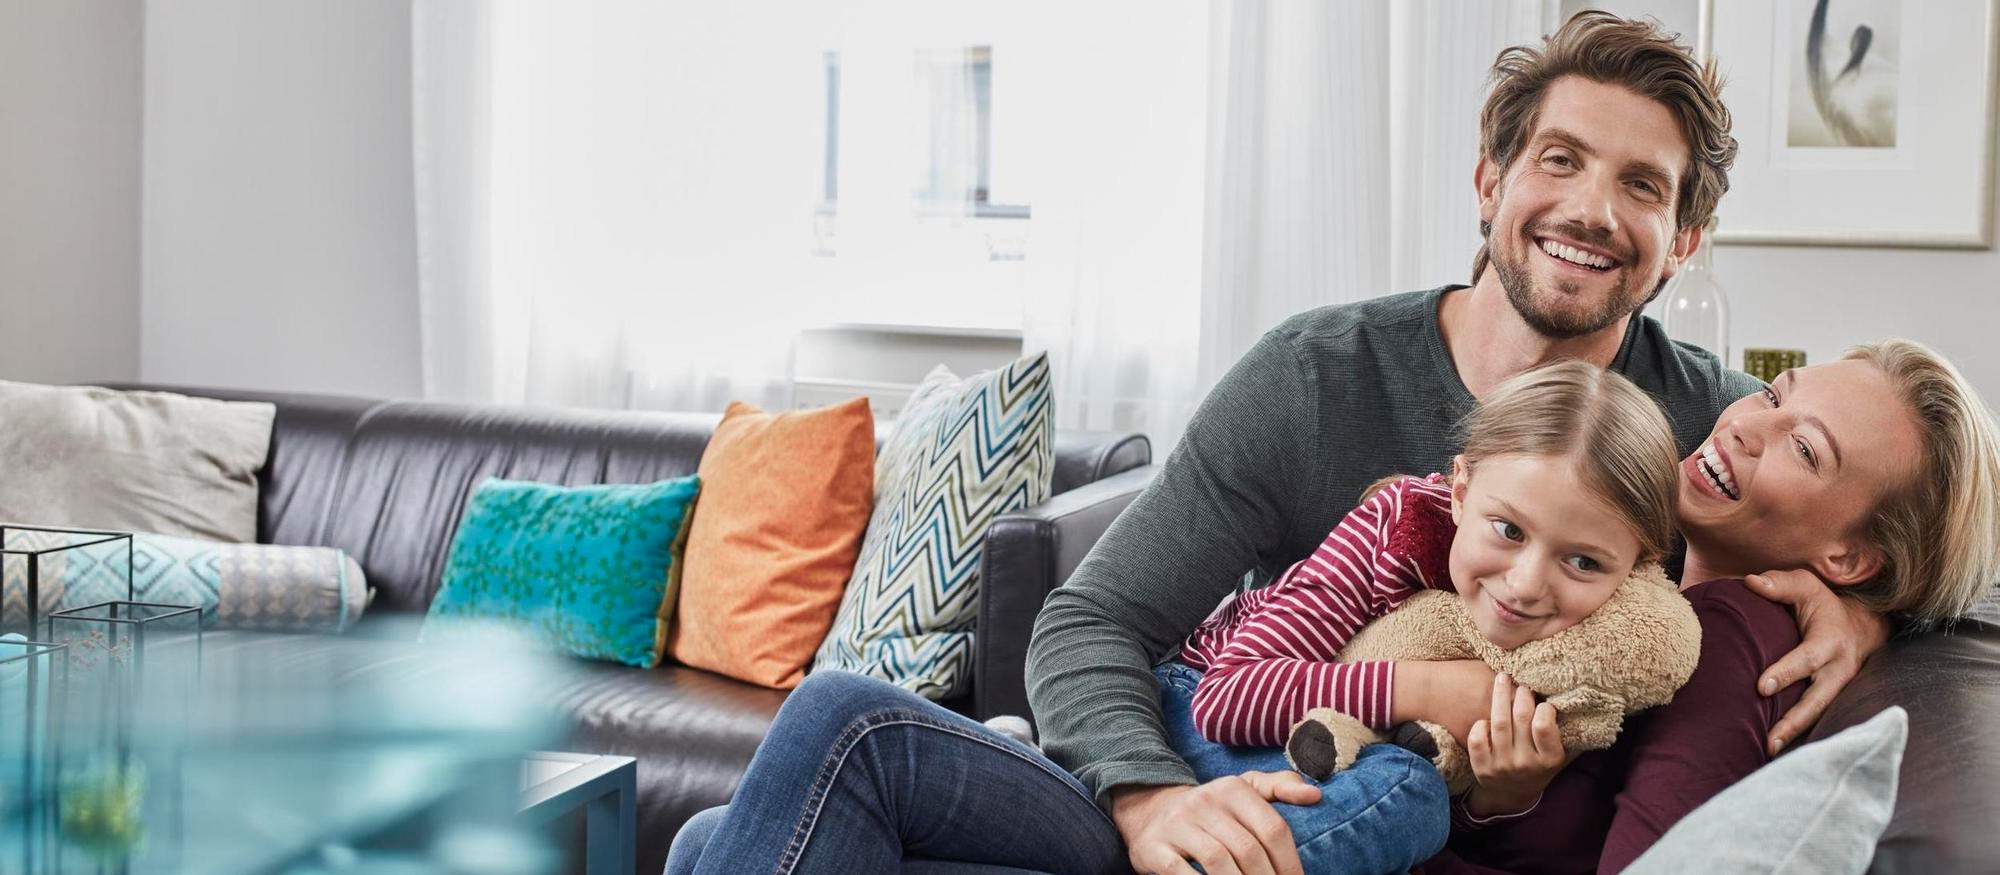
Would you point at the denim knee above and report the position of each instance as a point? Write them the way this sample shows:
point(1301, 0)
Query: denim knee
point(827, 692)
point(827, 688)
point(693, 837)
point(1388, 813)
point(828, 704)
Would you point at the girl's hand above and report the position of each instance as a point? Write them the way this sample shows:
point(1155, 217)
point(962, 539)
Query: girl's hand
point(1515, 753)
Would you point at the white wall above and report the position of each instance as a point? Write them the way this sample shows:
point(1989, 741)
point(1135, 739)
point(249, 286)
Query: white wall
point(1823, 299)
point(69, 190)
point(280, 239)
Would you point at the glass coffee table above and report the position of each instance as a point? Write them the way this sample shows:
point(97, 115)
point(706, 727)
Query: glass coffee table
point(304, 755)
point(605, 787)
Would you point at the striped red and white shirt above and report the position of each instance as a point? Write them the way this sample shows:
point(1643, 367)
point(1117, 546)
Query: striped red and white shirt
point(1266, 656)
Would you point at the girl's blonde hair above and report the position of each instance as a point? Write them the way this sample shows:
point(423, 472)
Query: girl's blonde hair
point(1940, 533)
point(1608, 428)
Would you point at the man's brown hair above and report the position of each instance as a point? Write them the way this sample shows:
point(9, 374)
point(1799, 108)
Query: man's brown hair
point(1605, 48)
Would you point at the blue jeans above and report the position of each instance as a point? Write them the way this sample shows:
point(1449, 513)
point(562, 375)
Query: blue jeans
point(861, 776)
point(1388, 813)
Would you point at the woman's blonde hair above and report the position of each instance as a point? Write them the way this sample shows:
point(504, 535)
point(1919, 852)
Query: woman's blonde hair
point(1940, 533)
point(1608, 428)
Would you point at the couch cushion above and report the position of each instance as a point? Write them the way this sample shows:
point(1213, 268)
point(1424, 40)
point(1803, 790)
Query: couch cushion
point(1815, 811)
point(259, 587)
point(590, 570)
point(785, 499)
point(964, 452)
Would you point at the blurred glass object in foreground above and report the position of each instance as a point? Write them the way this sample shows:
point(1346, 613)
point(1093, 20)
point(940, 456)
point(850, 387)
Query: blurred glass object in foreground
point(258, 753)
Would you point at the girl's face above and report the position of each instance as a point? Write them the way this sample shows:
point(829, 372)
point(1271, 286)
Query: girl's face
point(1535, 552)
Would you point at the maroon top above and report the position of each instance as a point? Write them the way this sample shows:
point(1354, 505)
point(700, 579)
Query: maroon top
point(1609, 806)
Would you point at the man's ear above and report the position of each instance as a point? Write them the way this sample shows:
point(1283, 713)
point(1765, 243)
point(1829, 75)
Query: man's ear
point(1461, 476)
point(1686, 241)
point(1849, 562)
point(1486, 181)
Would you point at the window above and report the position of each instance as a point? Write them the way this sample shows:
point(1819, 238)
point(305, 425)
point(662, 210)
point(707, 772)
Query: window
point(910, 221)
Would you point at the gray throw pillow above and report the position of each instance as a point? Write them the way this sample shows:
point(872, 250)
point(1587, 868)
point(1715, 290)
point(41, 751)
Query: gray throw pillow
point(132, 461)
point(1818, 810)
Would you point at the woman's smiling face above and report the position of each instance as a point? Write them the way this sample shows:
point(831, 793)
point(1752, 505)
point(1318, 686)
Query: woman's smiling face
point(1791, 475)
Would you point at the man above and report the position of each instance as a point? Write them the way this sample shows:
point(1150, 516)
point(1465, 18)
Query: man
point(1603, 156)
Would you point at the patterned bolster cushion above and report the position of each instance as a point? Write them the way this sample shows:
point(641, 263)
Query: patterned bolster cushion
point(262, 587)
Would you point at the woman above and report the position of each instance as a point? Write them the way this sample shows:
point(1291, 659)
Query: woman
point(1893, 504)
point(1879, 473)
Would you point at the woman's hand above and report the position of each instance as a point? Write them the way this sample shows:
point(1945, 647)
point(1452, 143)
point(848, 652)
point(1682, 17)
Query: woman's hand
point(1515, 753)
point(1839, 636)
point(1227, 825)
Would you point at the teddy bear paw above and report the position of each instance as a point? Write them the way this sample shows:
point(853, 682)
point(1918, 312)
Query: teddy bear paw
point(1413, 737)
point(1313, 751)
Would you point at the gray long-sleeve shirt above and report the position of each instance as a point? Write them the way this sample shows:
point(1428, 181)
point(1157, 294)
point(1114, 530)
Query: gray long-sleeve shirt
point(1325, 403)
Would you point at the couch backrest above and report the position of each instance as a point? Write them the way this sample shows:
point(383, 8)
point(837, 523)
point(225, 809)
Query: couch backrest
point(388, 480)
point(309, 441)
point(413, 466)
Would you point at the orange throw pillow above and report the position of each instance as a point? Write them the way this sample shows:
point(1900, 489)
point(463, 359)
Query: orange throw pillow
point(785, 500)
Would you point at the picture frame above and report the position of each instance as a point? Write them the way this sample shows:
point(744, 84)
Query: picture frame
point(1890, 143)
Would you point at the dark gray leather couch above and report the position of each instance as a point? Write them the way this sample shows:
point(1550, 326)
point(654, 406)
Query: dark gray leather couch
point(1947, 817)
point(387, 481)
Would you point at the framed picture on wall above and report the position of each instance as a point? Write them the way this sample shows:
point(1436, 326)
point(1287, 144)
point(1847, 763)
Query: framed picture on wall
point(1861, 122)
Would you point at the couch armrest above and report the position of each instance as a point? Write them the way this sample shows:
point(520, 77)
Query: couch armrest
point(1946, 809)
point(1027, 555)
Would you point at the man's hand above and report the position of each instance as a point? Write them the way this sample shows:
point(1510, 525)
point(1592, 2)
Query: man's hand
point(1227, 825)
point(1839, 635)
point(1515, 752)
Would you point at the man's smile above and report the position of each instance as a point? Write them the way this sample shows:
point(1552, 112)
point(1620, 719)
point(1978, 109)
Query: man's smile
point(1571, 254)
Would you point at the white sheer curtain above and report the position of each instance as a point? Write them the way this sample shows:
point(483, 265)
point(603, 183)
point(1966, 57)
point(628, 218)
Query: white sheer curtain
point(615, 196)
point(614, 204)
point(1342, 141)
point(1338, 145)
point(1114, 260)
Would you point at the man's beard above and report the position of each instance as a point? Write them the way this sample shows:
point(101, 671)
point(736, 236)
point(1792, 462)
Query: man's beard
point(1564, 323)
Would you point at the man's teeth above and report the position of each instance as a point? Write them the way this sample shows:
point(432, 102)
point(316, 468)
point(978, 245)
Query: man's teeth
point(1718, 474)
point(1574, 255)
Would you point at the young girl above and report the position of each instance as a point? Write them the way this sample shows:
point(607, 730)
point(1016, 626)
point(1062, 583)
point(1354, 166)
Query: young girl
point(1567, 482)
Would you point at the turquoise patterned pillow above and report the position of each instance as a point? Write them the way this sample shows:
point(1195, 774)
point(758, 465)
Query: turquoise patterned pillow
point(590, 570)
point(962, 453)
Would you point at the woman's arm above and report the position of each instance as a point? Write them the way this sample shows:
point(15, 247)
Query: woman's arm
point(1839, 633)
point(1712, 734)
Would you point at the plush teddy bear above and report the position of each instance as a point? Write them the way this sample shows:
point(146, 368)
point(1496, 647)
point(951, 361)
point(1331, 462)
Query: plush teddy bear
point(1631, 654)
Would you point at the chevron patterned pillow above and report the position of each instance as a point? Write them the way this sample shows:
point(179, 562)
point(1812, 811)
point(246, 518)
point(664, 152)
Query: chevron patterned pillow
point(962, 453)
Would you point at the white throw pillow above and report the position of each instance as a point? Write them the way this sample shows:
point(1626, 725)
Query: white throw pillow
point(1817, 811)
point(132, 461)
